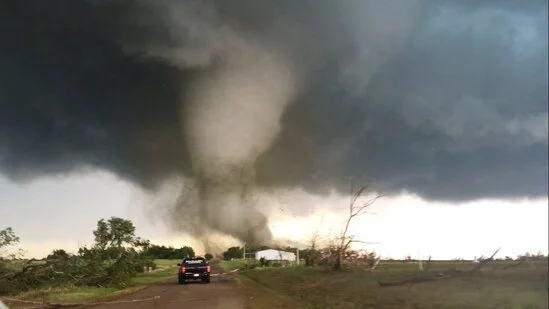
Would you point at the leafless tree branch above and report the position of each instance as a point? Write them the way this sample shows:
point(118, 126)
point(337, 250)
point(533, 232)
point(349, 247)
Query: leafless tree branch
point(356, 209)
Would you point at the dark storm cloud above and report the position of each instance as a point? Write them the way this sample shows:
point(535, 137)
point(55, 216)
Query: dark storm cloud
point(70, 97)
point(460, 112)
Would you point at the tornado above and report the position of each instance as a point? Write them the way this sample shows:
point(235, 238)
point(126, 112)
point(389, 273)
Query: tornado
point(232, 117)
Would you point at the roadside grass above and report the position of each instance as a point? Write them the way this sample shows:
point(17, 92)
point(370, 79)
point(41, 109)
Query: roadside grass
point(261, 297)
point(519, 287)
point(228, 266)
point(72, 294)
point(167, 269)
point(166, 263)
point(160, 275)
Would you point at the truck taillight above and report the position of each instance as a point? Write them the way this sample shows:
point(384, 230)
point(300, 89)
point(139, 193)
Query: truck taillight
point(183, 269)
point(208, 268)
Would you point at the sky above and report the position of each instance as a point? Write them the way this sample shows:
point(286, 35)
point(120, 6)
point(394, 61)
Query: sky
point(62, 212)
point(199, 117)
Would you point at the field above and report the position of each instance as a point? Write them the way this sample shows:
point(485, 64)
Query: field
point(520, 287)
point(304, 287)
point(228, 266)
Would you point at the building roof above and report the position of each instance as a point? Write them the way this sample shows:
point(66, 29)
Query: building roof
point(274, 251)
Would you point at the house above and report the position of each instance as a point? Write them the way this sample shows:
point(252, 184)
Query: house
point(275, 255)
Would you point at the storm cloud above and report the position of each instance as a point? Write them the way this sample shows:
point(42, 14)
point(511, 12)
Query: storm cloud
point(444, 99)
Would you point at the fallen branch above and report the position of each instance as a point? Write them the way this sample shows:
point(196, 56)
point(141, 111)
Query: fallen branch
point(435, 276)
point(484, 262)
point(375, 264)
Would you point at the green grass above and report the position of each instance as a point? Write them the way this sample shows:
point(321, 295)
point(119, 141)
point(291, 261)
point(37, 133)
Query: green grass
point(167, 270)
point(166, 263)
point(160, 275)
point(261, 297)
point(228, 266)
point(76, 294)
point(520, 287)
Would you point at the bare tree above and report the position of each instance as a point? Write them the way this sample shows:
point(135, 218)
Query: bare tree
point(361, 200)
point(316, 235)
point(313, 254)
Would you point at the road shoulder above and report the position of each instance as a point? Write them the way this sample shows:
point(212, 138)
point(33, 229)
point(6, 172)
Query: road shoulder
point(261, 297)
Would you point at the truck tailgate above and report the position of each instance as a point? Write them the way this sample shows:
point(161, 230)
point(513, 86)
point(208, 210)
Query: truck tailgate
point(196, 269)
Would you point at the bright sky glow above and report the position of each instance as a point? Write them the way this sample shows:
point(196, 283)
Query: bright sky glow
point(62, 212)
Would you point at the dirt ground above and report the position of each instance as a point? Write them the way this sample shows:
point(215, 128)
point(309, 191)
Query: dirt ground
point(221, 293)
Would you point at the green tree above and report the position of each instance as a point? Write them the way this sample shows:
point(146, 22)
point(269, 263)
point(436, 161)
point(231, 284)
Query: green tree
point(58, 254)
point(8, 237)
point(163, 252)
point(185, 252)
point(233, 253)
point(208, 256)
point(114, 233)
point(112, 261)
point(142, 243)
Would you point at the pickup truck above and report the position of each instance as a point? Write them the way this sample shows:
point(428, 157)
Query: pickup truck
point(194, 269)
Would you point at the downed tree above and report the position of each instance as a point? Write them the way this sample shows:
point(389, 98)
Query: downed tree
point(435, 276)
point(61, 305)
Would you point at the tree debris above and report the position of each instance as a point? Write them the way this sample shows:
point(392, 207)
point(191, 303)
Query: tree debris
point(439, 275)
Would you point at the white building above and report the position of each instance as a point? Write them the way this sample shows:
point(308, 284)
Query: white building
point(275, 255)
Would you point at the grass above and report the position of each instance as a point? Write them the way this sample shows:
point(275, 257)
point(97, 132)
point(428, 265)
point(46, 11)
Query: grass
point(261, 297)
point(160, 275)
point(166, 263)
point(68, 295)
point(520, 287)
point(228, 266)
point(71, 294)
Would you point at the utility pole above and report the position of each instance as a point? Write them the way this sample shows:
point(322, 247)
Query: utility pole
point(244, 252)
point(297, 256)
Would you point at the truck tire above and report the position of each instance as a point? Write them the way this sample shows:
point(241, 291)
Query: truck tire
point(207, 281)
point(181, 281)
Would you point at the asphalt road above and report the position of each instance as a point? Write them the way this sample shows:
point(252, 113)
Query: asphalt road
point(221, 293)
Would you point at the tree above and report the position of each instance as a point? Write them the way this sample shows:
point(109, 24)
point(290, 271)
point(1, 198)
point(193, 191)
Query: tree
point(371, 259)
point(112, 261)
point(116, 232)
point(185, 252)
point(142, 243)
point(208, 256)
point(359, 203)
point(163, 252)
point(58, 254)
point(7, 238)
point(233, 253)
point(312, 255)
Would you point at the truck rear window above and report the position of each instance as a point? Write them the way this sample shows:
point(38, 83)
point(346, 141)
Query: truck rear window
point(198, 261)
